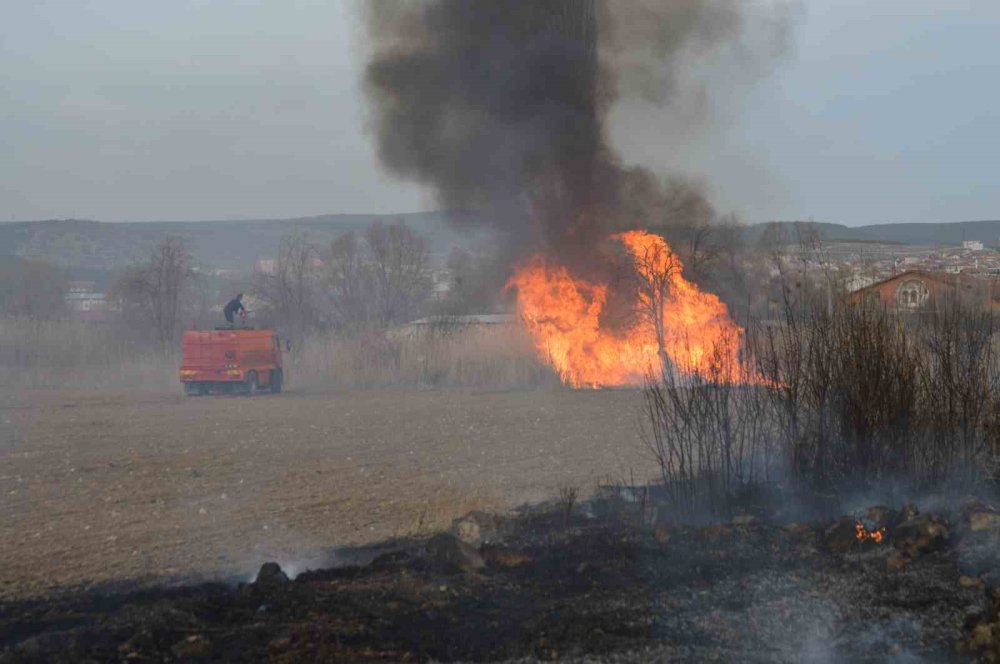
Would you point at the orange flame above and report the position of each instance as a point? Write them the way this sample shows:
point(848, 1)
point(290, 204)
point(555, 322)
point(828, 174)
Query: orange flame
point(862, 533)
point(692, 328)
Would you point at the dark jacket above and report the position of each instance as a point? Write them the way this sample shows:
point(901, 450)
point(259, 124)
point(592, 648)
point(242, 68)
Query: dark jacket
point(232, 307)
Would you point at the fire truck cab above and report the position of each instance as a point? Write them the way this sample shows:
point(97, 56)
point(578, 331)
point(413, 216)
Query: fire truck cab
point(231, 360)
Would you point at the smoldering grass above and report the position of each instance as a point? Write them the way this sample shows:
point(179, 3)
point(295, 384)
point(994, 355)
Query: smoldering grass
point(849, 399)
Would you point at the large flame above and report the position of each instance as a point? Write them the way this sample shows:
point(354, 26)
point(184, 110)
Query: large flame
point(564, 317)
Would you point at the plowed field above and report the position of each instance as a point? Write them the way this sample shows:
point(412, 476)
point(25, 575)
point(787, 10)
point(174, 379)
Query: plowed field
point(107, 486)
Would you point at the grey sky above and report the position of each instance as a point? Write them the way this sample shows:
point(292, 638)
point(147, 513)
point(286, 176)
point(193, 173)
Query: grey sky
point(138, 110)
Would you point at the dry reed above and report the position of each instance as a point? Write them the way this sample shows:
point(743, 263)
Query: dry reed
point(60, 353)
point(483, 356)
point(81, 354)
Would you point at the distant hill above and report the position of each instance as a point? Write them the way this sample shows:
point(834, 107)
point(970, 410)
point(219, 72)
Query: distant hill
point(215, 244)
point(953, 233)
point(106, 246)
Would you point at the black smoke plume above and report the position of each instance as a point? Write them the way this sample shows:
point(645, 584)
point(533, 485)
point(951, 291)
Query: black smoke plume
point(500, 106)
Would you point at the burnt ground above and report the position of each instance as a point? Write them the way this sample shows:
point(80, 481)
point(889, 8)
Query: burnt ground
point(109, 498)
point(544, 586)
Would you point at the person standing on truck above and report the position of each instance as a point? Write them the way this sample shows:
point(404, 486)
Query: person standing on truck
point(234, 305)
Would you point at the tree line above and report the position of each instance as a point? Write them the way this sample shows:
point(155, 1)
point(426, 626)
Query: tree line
point(372, 279)
point(31, 289)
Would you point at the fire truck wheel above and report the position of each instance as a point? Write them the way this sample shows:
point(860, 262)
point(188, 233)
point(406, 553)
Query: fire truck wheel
point(252, 383)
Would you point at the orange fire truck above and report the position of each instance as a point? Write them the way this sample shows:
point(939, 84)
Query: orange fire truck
point(231, 360)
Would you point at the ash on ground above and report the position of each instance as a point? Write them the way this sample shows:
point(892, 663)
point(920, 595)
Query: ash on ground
point(590, 582)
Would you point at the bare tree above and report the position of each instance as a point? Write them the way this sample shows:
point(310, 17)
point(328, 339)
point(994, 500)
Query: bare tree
point(476, 279)
point(152, 291)
point(348, 283)
point(690, 225)
point(31, 289)
point(399, 267)
point(381, 279)
point(678, 209)
point(649, 272)
point(291, 290)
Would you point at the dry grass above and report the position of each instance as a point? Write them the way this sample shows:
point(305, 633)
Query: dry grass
point(73, 353)
point(494, 357)
point(440, 509)
point(81, 354)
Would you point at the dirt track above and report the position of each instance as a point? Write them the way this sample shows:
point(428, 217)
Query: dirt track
point(121, 486)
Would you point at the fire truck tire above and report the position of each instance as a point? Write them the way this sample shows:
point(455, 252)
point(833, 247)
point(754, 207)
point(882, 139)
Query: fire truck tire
point(276, 380)
point(252, 383)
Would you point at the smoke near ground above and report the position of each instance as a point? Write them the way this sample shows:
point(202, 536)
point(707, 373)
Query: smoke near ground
point(501, 108)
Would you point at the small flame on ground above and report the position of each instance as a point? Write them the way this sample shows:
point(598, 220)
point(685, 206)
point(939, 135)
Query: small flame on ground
point(863, 534)
point(690, 327)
